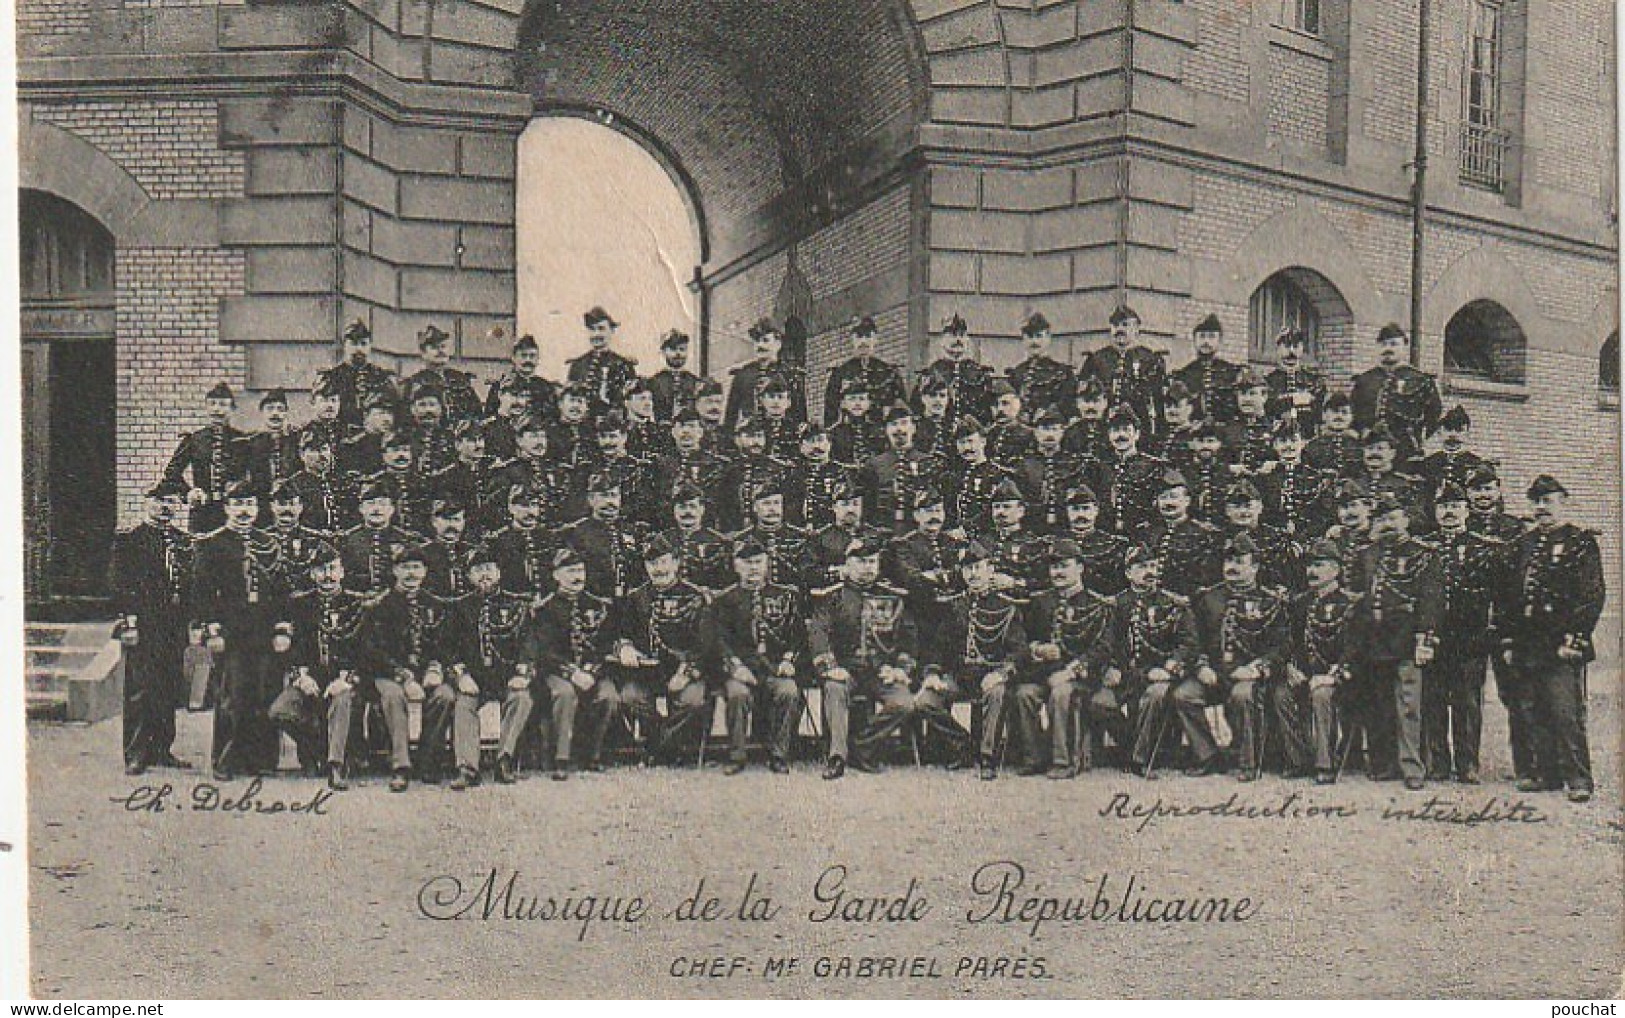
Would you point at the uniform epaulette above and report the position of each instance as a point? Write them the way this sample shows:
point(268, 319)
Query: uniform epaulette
point(213, 533)
point(827, 591)
point(886, 588)
point(1182, 600)
point(742, 365)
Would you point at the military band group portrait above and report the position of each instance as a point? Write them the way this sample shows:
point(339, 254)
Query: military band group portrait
point(1157, 560)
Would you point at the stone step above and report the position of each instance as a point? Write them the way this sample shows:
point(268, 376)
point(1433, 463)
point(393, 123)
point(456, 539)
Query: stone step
point(46, 657)
point(47, 706)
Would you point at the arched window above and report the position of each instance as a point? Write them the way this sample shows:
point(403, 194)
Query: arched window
point(1483, 342)
point(66, 254)
point(1296, 298)
point(1608, 366)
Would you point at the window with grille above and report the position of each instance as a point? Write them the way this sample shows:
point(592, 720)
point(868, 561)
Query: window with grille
point(1484, 342)
point(65, 253)
point(1280, 304)
point(1301, 16)
point(1483, 134)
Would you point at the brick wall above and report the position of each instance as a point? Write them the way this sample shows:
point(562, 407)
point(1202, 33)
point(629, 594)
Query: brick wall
point(170, 146)
point(1299, 94)
point(1218, 66)
point(169, 354)
point(52, 19)
point(736, 304)
point(1570, 95)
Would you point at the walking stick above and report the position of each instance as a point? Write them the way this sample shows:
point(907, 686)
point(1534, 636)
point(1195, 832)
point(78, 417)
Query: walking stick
point(1355, 730)
point(1156, 745)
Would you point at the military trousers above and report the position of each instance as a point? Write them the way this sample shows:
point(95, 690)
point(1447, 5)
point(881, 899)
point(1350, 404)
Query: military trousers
point(598, 704)
point(1562, 750)
point(1516, 693)
point(1400, 683)
point(247, 681)
point(1060, 695)
point(153, 681)
point(1452, 714)
point(781, 708)
point(303, 718)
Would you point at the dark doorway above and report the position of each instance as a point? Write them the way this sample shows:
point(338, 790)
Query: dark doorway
point(83, 478)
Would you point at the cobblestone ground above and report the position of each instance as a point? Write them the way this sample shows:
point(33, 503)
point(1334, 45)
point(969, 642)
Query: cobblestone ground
point(193, 902)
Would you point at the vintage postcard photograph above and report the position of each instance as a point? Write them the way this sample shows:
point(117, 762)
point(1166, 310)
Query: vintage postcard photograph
point(816, 499)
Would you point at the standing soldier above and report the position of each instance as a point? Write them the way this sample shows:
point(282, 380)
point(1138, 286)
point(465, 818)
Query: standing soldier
point(1452, 462)
point(1070, 628)
point(324, 402)
point(1130, 374)
point(880, 379)
point(272, 456)
point(673, 386)
point(317, 708)
point(355, 378)
point(1294, 492)
point(398, 651)
point(609, 544)
point(1556, 597)
point(534, 470)
point(1040, 381)
point(973, 488)
point(523, 385)
point(1242, 627)
point(362, 453)
point(1353, 504)
point(978, 645)
point(1250, 437)
point(573, 439)
point(711, 411)
point(783, 431)
point(1398, 621)
point(455, 386)
point(1009, 434)
point(433, 449)
point(447, 552)
point(855, 436)
point(1486, 507)
point(298, 546)
point(1047, 473)
point(1276, 554)
point(936, 422)
point(1309, 702)
point(485, 662)
point(407, 486)
point(690, 463)
point(603, 373)
point(236, 595)
point(966, 381)
point(1181, 420)
point(745, 387)
point(368, 549)
point(1102, 554)
point(925, 561)
point(635, 477)
point(1188, 551)
point(1126, 479)
point(786, 544)
point(703, 553)
point(826, 548)
point(761, 632)
point(891, 480)
point(467, 479)
point(1018, 556)
point(1207, 473)
point(1209, 378)
point(568, 641)
point(524, 548)
point(754, 470)
point(1295, 391)
point(211, 455)
point(1086, 435)
point(1336, 448)
point(327, 495)
point(648, 437)
point(1473, 576)
point(1156, 643)
point(1379, 473)
point(152, 567)
point(1397, 396)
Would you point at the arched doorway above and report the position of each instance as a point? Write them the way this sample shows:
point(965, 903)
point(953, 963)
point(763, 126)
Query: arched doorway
point(69, 380)
point(1301, 299)
point(1482, 341)
point(603, 219)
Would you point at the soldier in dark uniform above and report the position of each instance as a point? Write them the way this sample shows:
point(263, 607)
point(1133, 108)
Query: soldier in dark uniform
point(1046, 473)
point(512, 412)
point(1180, 421)
point(709, 404)
point(783, 431)
point(1249, 439)
point(972, 490)
point(535, 394)
point(1452, 462)
point(524, 548)
point(1209, 378)
point(447, 552)
point(673, 386)
point(1473, 571)
point(1398, 622)
point(1277, 555)
point(1379, 473)
point(666, 640)
point(1188, 551)
point(1040, 381)
point(691, 464)
point(151, 571)
point(486, 661)
point(467, 480)
point(1130, 374)
point(368, 549)
point(648, 437)
point(1070, 628)
point(572, 441)
point(1324, 655)
point(212, 457)
point(704, 554)
point(603, 373)
point(864, 638)
point(456, 387)
point(966, 381)
point(1126, 480)
point(1009, 436)
point(568, 640)
point(1243, 628)
point(744, 389)
point(236, 597)
point(1352, 502)
point(362, 452)
point(856, 436)
point(355, 378)
point(1397, 396)
point(324, 419)
point(298, 546)
point(786, 544)
point(536, 471)
point(408, 488)
point(271, 456)
point(1207, 473)
point(433, 448)
point(1102, 554)
point(1156, 644)
point(1553, 604)
point(1336, 447)
point(1295, 391)
point(1294, 492)
point(925, 561)
point(753, 470)
point(880, 379)
point(891, 479)
point(610, 545)
point(1086, 434)
point(1018, 556)
point(935, 425)
point(317, 708)
point(979, 646)
point(761, 633)
point(398, 651)
point(1486, 507)
point(826, 547)
point(640, 500)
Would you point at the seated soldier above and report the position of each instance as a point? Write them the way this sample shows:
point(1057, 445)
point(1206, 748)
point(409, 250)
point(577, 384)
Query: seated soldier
point(1155, 641)
point(761, 629)
point(400, 656)
point(568, 642)
point(1323, 650)
point(317, 707)
point(979, 646)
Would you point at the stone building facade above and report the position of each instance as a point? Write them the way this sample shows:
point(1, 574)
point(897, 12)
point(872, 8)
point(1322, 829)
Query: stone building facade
point(267, 171)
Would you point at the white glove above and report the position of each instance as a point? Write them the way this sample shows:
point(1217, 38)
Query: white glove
point(994, 679)
point(891, 675)
point(1321, 681)
point(679, 680)
point(838, 675)
point(197, 496)
point(305, 684)
point(1060, 677)
point(786, 670)
point(216, 644)
point(467, 686)
point(414, 691)
point(1158, 674)
point(579, 678)
point(1295, 675)
point(742, 675)
point(433, 675)
point(1246, 673)
point(281, 643)
point(628, 656)
point(1114, 678)
point(935, 683)
point(1207, 676)
point(130, 638)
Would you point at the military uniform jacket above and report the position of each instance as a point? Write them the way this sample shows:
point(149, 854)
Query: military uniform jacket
point(1237, 626)
point(355, 384)
point(1496, 523)
point(861, 629)
point(673, 391)
point(640, 499)
point(368, 556)
point(706, 557)
point(325, 630)
point(432, 448)
point(573, 445)
point(237, 582)
point(297, 548)
point(788, 551)
point(1404, 487)
point(1443, 466)
point(969, 385)
point(1043, 383)
point(1103, 558)
point(649, 440)
point(606, 374)
point(935, 436)
point(1155, 629)
point(1295, 499)
point(742, 480)
point(151, 576)
point(271, 457)
point(855, 441)
point(891, 480)
point(469, 485)
point(972, 499)
point(613, 552)
point(1335, 451)
point(761, 628)
point(700, 468)
point(484, 633)
point(1299, 393)
point(402, 632)
point(525, 557)
point(1249, 445)
point(1474, 577)
point(1022, 557)
point(826, 553)
point(976, 633)
point(1138, 377)
point(1557, 590)
point(925, 565)
point(1172, 445)
point(1044, 480)
point(412, 494)
point(1082, 624)
point(448, 568)
point(746, 385)
point(1127, 489)
point(544, 475)
point(1087, 438)
point(1206, 479)
point(809, 491)
point(1192, 553)
point(1008, 442)
point(361, 454)
point(456, 391)
point(674, 625)
point(328, 500)
point(783, 435)
point(1404, 399)
point(569, 631)
point(882, 380)
point(1212, 382)
point(540, 395)
point(1323, 638)
point(1278, 556)
point(1401, 584)
point(212, 455)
